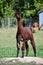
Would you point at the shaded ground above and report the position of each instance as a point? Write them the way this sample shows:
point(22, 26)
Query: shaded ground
point(21, 61)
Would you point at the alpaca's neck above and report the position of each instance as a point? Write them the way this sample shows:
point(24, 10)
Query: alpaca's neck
point(20, 26)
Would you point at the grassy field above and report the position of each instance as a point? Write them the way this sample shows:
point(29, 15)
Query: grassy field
point(8, 43)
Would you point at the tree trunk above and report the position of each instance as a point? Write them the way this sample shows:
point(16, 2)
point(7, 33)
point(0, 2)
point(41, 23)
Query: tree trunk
point(8, 22)
point(2, 23)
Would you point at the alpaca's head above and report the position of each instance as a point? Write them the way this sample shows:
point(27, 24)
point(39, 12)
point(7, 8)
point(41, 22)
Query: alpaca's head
point(18, 15)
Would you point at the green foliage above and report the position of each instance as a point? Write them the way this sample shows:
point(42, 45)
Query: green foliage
point(25, 6)
point(6, 8)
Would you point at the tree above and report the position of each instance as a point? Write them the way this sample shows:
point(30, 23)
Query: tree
point(6, 9)
point(28, 7)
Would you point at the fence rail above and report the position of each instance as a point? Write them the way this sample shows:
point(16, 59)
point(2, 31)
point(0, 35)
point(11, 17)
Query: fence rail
point(11, 22)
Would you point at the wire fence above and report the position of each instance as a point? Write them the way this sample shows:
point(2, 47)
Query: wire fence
point(11, 22)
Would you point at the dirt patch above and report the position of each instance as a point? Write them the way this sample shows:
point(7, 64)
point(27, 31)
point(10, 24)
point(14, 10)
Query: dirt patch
point(22, 60)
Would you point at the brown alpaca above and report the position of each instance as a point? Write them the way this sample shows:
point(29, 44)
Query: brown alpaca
point(26, 34)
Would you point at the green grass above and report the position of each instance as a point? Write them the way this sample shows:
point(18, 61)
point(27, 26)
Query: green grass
point(8, 43)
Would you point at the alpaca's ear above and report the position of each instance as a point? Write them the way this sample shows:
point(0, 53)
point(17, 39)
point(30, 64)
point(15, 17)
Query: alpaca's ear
point(18, 12)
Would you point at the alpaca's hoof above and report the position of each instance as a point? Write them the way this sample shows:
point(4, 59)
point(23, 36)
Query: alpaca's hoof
point(17, 56)
point(35, 55)
point(22, 57)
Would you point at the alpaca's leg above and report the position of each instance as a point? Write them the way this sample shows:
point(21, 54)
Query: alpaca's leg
point(34, 47)
point(27, 48)
point(18, 43)
point(18, 48)
point(23, 47)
